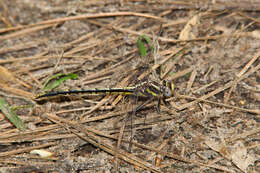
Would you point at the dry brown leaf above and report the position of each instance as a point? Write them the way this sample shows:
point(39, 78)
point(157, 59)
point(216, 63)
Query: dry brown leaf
point(256, 34)
point(5, 75)
point(42, 153)
point(187, 32)
point(218, 147)
point(240, 157)
point(237, 153)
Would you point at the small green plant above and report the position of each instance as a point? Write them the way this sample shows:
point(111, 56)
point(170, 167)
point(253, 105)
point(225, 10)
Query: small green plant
point(11, 115)
point(141, 45)
point(56, 80)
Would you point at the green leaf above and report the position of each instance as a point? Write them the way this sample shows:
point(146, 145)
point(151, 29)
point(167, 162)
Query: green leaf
point(140, 43)
point(11, 115)
point(56, 80)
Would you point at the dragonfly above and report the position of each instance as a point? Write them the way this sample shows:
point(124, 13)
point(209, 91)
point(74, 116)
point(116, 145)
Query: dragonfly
point(148, 89)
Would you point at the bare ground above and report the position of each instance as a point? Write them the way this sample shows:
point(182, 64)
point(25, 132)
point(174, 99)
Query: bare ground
point(210, 50)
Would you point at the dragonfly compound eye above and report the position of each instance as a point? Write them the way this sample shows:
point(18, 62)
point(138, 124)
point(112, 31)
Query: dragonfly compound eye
point(168, 88)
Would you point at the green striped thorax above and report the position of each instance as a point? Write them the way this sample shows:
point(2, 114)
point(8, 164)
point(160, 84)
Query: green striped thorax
point(154, 89)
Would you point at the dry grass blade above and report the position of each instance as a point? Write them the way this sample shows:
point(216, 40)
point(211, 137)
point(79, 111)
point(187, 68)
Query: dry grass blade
point(220, 89)
point(25, 31)
point(17, 91)
point(254, 111)
point(91, 138)
point(155, 66)
point(242, 72)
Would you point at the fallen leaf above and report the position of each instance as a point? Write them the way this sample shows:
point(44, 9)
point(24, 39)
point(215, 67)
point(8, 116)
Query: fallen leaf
point(6, 76)
point(187, 32)
point(255, 34)
point(240, 157)
point(42, 153)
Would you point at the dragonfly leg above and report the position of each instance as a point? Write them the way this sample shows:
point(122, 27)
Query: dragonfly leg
point(131, 120)
point(158, 107)
point(142, 105)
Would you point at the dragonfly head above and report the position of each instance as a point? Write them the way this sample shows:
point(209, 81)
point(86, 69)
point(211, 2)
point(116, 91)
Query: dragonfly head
point(168, 88)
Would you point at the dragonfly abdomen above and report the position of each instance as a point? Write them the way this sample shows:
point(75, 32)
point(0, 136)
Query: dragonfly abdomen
point(126, 91)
